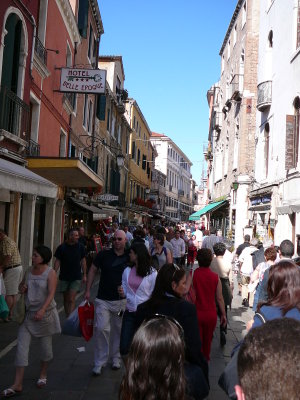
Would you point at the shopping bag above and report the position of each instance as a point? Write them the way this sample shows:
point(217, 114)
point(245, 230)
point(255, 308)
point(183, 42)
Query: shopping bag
point(86, 319)
point(71, 325)
point(19, 311)
point(4, 311)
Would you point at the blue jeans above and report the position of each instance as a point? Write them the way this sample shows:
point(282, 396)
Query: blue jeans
point(127, 332)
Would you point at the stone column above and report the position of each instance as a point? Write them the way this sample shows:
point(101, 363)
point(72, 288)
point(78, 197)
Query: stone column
point(27, 227)
point(57, 239)
point(49, 222)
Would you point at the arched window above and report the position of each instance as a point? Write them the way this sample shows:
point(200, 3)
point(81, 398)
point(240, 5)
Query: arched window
point(270, 38)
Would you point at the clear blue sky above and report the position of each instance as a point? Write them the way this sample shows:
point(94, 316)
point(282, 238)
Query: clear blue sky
point(170, 51)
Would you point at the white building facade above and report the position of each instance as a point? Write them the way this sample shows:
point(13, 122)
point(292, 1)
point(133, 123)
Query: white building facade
point(275, 196)
point(172, 162)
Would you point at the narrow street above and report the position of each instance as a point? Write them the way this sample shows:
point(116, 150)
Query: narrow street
point(70, 371)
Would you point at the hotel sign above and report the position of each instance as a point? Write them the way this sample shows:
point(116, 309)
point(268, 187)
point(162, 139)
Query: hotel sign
point(74, 80)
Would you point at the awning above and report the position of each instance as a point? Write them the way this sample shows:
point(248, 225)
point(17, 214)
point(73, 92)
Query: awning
point(262, 207)
point(98, 213)
point(209, 208)
point(290, 209)
point(69, 172)
point(284, 210)
point(17, 178)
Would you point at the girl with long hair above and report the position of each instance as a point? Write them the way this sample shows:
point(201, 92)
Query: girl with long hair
point(167, 299)
point(283, 293)
point(154, 367)
point(138, 282)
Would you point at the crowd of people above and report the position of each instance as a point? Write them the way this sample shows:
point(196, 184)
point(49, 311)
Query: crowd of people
point(154, 310)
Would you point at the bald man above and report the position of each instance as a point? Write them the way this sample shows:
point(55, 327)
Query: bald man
point(109, 307)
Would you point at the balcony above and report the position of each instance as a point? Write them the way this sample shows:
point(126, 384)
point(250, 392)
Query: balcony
point(14, 114)
point(40, 50)
point(264, 95)
point(217, 121)
point(32, 149)
point(237, 84)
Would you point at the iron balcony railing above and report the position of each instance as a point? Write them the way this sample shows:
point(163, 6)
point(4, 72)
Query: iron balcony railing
point(33, 149)
point(14, 114)
point(40, 50)
point(264, 95)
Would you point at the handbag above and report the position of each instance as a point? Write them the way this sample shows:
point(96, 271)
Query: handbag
point(86, 319)
point(229, 377)
point(4, 310)
point(19, 310)
point(71, 326)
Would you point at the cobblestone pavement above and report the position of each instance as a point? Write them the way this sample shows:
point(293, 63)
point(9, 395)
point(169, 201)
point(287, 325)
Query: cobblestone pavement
point(70, 376)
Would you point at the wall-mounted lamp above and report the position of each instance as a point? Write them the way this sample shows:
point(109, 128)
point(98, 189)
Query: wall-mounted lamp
point(120, 160)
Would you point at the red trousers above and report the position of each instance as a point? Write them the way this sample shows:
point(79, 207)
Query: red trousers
point(207, 321)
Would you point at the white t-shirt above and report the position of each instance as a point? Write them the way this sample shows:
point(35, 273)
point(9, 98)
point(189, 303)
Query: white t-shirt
point(199, 235)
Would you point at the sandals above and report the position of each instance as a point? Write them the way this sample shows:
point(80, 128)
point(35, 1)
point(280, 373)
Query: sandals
point(10, 392)
point(41, 382)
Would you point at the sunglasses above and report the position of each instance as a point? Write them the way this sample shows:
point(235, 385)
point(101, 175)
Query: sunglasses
point(171, 319)
point(119, 239)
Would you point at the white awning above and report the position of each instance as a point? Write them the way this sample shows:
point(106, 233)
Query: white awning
point(17, 178)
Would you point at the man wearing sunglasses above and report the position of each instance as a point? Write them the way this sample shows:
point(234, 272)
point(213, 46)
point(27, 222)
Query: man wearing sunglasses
point(109, 307)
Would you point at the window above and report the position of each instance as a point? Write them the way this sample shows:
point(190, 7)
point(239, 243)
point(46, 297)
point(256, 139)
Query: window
point(133, 150)
point(68, 56)
point(222, 63)
point(144, 162)
point(270, 39)
point(137, 126)
point(292, 136)
point(85, 110)
point(113, 123)
point(35, 106)
point(235, 150)
point(298, 26)
point(244, 15)
point(134, 122)
point(91, 44)
point(108, 120)
point(127, 145)
point(266, 149)
point(228, 50)
point(138, 157)
point(83, 11)
point(234, 34)
point(90, 118)
point(62, 144)
point(42, 23)
point(119, 139)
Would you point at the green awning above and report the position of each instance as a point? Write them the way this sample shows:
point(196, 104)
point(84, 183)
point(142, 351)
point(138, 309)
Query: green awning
point(209, 208)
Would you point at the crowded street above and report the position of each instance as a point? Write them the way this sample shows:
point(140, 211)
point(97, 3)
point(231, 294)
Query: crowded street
point(150, 199)
point(71, 367)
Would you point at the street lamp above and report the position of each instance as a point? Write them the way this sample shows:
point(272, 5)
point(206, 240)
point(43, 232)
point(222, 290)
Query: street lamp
point(120, 160)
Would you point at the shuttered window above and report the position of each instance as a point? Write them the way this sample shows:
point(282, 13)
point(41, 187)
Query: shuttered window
point(290, 153)
point(101, 105)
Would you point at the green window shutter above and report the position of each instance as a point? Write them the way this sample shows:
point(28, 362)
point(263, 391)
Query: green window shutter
point(101, 106)
point(83, 12)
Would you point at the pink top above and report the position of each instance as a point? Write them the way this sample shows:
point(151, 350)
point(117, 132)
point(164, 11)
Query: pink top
point(134, 280)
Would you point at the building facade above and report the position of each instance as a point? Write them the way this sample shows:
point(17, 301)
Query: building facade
point(275, 195)
point(233, 121)
point(172, 162)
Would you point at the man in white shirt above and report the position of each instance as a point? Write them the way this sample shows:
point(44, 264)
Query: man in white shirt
point(128, 234)
point(246, 262)
point(178, 245)
point(199, 237)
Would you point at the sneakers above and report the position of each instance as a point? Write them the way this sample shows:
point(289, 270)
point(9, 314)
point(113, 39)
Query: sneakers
point(96, 371)
point(116, 365)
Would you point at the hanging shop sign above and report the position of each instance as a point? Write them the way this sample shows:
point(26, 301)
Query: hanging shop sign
point(107, 197)
point(261, 200)
point(76, 80)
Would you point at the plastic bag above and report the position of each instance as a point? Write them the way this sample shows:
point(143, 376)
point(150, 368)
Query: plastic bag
point(4, 311)
point(71, 325)
point(86, 319)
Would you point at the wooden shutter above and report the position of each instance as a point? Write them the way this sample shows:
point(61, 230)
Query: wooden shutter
point(101, 105)
point(290, 160)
